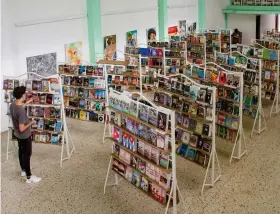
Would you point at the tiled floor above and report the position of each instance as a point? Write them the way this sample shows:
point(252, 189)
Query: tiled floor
point(251, 185)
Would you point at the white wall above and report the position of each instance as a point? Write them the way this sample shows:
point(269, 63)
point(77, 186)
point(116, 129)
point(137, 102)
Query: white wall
point(244, 23)
point(267, 23)
point(25, 41)
point(141, 15)
point(8, 53)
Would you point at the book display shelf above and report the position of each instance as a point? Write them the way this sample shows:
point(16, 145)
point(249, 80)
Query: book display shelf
point(226, 40)
point(138, 65)
point(194, 105)
point(45, 105)
point(175, 57)
point(83, 88)
point(143, 152)
point(196, 49)
point(213, 43)
point(268, 52)
point(252, 70)
point(229, 120)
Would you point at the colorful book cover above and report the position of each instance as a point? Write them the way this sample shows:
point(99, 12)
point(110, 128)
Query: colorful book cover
point(194, 92)
point(162, 120)
point(136, 179)
point(141, 148)
point(155, 153)
point(144, 184)
point(117, 135)
point(148, 152)
point(58, 126)
point(141, 166)
point(152, 117)
point(143, 112)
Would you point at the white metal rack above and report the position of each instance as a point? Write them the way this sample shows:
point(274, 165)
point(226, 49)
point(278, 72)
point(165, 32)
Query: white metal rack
point(174, 186)
point(259, 124)
point(239, 147)
point(275, 108)
point(67, 142)
point(215, 171)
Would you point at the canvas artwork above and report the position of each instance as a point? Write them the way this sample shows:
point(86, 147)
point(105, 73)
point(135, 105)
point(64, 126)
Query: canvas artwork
point(151, 35)
point(131, 38)
point(173, 31)
point(192, 27)
point(183, 28)
point(110, 47)
point(44, 65)
point(73, 53)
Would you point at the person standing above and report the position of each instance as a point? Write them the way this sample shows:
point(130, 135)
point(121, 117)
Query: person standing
point(22, 131)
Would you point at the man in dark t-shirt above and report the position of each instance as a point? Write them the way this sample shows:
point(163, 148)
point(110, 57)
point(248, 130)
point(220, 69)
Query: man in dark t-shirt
point(22, 131)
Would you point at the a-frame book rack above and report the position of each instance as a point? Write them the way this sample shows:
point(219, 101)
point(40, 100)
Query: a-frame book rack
point(143, 137)
point(252, 69)
point(47, 108)
point(229, 103)
point(194, 105)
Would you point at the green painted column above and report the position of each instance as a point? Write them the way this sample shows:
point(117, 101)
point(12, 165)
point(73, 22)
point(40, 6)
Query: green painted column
point(162, 20)
point(201, 14)
point(226, 20)
point(95, 39)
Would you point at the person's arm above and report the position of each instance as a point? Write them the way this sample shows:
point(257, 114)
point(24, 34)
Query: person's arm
point(21, 121)
point(29, 101)
point(23, 127)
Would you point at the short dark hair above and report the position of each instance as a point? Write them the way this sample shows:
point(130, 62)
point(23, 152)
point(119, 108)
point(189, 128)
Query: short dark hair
point(19, 91)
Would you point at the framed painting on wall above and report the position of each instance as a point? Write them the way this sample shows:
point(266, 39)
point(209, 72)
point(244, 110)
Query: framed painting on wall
point(73, 53)
point(44, 65)
point(131, 38)
point(110, 47)
point(151, 35)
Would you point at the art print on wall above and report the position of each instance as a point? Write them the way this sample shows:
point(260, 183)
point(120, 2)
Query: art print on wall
point(151, 35)
point(73, 53)
point(131, 38)
point(110, 47)
point(173, 31)
point(183, 28)
point(43, 65)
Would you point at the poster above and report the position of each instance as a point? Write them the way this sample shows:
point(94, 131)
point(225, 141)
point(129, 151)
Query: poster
point(151, 35)
point(183, 28)
point(173, 31)
point(192, 27)
point(73, 53)
point(44, 65)
point(131, 38)
point(110, 47)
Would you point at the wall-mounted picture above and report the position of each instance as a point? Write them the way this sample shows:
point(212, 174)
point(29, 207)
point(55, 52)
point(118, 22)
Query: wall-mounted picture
point(192, 27)
point(110, 47)
point(73, 53)
point(173, 31)
point(44, 65)
point(131, 38)
point(151, 35)
point(183, 28)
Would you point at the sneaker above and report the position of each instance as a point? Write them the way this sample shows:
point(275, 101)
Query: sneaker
point(33, 179)
point(23, 174)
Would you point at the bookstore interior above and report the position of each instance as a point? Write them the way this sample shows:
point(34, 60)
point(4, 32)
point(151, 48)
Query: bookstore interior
point(161, 104)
